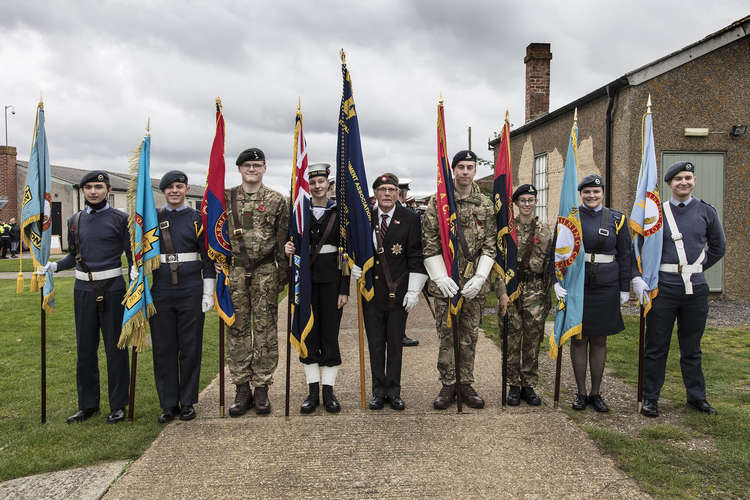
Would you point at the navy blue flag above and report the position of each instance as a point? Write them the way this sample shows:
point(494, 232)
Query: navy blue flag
point(299, 231)
point(352, 195)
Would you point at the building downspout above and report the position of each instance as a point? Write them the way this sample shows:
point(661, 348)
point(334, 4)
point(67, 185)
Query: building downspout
point(611, 93)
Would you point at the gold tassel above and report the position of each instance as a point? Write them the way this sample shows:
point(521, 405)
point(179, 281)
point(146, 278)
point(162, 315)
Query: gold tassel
point(34, 283)
point(19, 283)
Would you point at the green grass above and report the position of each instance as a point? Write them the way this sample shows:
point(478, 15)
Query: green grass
point(654, 458)
point(11, 265)
point(29, 447)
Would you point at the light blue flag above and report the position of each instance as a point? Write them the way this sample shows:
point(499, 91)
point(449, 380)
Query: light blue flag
point(646, 218)
point(569, 254)
point(35, 215)
point(144, 242)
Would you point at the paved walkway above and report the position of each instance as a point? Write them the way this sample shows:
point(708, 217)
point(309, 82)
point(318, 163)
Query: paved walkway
point(420, 452)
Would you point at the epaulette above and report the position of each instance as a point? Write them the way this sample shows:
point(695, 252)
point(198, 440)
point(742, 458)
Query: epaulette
point(707, 203)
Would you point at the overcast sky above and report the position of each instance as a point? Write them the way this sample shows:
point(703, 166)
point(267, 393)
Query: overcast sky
point(104, 67)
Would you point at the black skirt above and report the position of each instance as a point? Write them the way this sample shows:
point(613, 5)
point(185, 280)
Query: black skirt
point(601, 310)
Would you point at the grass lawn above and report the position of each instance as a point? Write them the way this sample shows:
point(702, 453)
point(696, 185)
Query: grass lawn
point(29, 447)
point(658, 457)
point(11, 265)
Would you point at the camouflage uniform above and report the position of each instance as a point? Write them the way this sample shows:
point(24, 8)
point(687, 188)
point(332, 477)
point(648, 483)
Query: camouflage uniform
point(252, 343)
point(476, 216)
point(527, 313)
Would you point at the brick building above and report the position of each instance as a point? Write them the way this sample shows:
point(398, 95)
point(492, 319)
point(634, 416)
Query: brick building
point(701, 108)
point(67, 197)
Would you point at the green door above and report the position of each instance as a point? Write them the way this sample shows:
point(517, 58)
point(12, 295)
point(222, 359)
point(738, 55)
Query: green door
point(709, 172)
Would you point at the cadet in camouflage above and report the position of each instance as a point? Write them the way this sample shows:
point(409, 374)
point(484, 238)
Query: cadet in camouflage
point(527, 313)
point(257, 225)
point(476, 220)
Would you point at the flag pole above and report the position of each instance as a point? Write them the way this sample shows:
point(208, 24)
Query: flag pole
point(641, 338)
point(133, 366)
point(558, 365)
point(221, 367)
point(288, 333)
point(44, 355)
point(504, 346)
point(456, 359)
point(361, 345)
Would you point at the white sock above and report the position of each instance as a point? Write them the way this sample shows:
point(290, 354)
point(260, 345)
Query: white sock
point(312, 373)
point(328, 375)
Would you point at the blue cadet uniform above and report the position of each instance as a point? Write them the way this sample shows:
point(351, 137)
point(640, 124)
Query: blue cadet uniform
point(97, 237)
point(693, 242)
point(178, 288)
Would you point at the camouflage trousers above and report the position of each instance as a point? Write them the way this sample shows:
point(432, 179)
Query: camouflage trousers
point(252, 342)
point(526, 317)
point(468, 324)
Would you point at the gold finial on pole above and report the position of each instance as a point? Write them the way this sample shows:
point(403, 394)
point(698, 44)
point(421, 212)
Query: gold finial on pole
point(218, 104)
point(148, 126)
point(648, 105)
point(575, 117)
point(441, 98)
point(343, 57)
point(506, 113)
point(41, 101)
point(299, 104)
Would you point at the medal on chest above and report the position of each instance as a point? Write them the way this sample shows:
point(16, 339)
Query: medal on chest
point(396, 249)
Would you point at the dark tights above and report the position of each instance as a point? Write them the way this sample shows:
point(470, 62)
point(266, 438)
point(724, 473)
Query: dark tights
point(597, 354)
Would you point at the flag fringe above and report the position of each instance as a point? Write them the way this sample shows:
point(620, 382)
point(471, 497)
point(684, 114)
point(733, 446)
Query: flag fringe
point(573, 332)
point(132, 194)
point(48, 302)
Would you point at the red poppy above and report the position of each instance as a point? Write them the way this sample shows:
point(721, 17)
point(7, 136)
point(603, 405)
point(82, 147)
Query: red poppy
point(479, 223)
point(537, 240)
point(261, 208)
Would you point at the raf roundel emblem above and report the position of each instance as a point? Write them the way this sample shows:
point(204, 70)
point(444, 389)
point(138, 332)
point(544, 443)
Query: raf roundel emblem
point(100, 177)
point(396, 249)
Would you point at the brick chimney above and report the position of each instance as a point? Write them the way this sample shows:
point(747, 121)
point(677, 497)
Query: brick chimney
point(8, 182)
point(537, 60)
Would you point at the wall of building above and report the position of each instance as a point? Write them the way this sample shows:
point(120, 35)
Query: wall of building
point(8, 176)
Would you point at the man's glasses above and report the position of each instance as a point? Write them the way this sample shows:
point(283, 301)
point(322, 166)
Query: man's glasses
point(387, 189)
point(253, 166)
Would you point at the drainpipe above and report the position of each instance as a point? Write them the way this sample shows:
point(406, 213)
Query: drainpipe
point(611, 93)
point(78, 196)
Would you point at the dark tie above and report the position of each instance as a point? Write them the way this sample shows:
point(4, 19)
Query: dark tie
point(383, 225)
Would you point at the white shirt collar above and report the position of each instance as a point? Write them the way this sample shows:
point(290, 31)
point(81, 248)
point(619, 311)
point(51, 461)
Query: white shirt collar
point(178, 209)
point(389, 214)
point(89, 209)
point(676, 202)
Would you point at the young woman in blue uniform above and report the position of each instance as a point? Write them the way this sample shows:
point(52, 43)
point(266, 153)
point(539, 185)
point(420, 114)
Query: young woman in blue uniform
point(606, 239)
point(330, 292)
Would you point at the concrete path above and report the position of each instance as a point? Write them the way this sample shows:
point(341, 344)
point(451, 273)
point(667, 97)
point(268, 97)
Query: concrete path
point(87, 482)
point(420, 452)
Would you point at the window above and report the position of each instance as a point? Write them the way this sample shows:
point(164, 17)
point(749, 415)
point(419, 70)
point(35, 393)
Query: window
point(540, 181)
point(111, 200)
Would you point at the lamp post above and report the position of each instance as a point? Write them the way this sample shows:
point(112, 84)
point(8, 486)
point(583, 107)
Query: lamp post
point(13, 112)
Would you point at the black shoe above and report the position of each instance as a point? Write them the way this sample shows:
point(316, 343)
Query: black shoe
point(397, 403)
point(650, 408)
point(470, 397)
point(409, 342)
point(581, 401)
point(187, 413)
point(82, 415)
point(168, 414)
point(312, 400)
point(514, 396)
point(243, 400)
point(445, 398)
point(115, 416)
point(262, 403)
point(330, 402)
point(377, 403)
point(703, 406)
point(598, 403)
point(528, 394)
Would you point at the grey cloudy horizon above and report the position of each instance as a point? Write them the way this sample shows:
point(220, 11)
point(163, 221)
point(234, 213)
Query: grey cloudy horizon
point(103, 68)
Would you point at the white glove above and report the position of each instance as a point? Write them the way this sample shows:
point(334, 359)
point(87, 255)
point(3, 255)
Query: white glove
point(133, 273)
point(640, 287)
point(435, 266)
point(560, 291)
point(416, 282)
point(472, 287)
point(207, 301)
point(356, 272)
point(624, 297)
point(49, 265)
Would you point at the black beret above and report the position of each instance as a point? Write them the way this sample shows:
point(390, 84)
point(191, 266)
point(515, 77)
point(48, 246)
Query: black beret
point(464, 155)
point(591, 180)
point(678, 167)
point(172, 176)
point(95, 176)
point(524, 189)
point(316, 169)
point(386, 178)
point(252, 154)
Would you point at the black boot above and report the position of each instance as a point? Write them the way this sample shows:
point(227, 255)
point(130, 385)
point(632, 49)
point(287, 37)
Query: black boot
point(329, 400)
point(514, 396)
point(243, 400)
point(312, 400)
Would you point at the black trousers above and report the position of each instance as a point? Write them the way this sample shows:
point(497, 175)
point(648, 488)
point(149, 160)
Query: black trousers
point(88, 323)
point(690, 311)
point(323, 340)
point(177, 341)
point(384, 332)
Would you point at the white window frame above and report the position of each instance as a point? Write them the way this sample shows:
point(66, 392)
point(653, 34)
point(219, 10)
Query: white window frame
point(542, 186)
